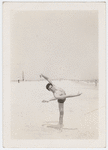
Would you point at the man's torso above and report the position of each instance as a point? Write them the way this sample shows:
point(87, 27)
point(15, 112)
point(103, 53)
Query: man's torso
point(59, 92)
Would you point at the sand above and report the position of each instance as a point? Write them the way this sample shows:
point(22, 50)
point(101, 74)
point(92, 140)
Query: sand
point(30, 117)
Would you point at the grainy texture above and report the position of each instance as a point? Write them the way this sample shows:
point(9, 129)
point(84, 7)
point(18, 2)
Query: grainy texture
point(68, 43)
point(60, 44)
point(30, 117)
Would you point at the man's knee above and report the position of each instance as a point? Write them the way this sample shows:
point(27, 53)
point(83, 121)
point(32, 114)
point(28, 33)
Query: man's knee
point(61, 112)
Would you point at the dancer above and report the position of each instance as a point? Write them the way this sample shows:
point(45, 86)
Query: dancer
point(59, 95)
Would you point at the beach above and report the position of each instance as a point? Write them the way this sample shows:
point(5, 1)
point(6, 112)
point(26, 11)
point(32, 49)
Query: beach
point(30, 117)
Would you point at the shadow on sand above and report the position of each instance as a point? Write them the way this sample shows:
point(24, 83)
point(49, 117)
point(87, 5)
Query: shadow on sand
point(57, 126)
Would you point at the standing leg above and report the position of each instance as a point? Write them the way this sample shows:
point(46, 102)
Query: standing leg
point(61, 110)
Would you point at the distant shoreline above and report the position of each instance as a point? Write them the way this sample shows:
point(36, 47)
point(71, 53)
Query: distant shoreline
point(76, 80)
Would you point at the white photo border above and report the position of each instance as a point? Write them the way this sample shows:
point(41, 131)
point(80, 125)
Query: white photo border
point(18, 6)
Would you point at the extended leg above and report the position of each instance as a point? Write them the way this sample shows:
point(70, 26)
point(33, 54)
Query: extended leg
point(61, 110)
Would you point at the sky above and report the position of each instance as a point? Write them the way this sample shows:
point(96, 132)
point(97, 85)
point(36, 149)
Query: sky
point(59, 44)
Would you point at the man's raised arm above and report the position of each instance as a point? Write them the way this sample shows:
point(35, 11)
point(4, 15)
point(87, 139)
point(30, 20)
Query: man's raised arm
point(45, 77)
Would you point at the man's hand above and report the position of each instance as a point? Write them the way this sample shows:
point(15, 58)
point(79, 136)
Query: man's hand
point(41, 75)
point(44, 101)
point(79, 94)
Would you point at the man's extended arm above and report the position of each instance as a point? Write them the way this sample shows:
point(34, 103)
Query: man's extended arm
point(45, 77)
point(53, 99)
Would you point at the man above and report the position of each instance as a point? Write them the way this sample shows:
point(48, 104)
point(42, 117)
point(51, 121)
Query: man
point(59, 95)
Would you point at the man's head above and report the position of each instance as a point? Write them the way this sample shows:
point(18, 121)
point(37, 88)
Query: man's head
point(49, 86)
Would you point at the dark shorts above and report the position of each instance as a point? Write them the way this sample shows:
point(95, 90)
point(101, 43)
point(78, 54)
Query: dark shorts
point(61, 100)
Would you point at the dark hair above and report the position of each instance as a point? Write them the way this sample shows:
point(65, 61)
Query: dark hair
point(47, 86)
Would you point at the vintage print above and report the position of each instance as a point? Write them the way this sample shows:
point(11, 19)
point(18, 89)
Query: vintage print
point(54, 74)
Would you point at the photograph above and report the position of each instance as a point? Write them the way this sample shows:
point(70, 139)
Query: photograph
point(52, 64)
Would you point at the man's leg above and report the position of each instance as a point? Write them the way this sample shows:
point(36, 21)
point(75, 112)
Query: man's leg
point(61, 110)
